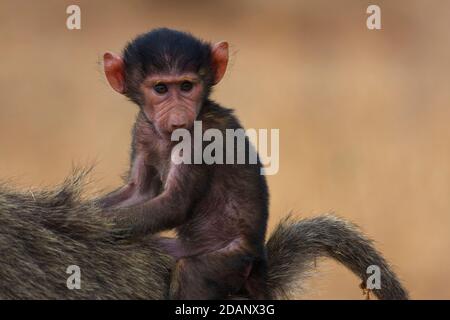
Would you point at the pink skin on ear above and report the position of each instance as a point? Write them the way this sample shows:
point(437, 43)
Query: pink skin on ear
point(219, 53)
point(114, 71)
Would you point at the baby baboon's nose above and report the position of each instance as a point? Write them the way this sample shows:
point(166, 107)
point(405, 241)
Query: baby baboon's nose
point(177, 123)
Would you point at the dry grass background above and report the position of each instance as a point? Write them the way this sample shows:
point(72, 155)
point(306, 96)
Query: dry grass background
point(363, 115)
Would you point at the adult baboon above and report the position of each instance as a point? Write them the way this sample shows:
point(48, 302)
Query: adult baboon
point(44, 232)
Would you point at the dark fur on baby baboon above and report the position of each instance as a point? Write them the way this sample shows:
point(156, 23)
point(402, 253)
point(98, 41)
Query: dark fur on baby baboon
point(43, 232)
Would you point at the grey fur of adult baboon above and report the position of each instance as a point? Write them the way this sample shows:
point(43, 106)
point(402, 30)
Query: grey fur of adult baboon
point(44, 232)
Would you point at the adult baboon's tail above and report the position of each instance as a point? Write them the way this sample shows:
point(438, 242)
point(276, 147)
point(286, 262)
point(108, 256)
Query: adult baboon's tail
point(294, 246)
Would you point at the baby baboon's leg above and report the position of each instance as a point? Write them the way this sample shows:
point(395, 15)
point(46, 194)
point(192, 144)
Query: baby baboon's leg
point(216, 275)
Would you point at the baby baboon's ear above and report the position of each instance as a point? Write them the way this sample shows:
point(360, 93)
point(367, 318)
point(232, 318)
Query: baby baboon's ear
point(219, 52)
point(114, 71)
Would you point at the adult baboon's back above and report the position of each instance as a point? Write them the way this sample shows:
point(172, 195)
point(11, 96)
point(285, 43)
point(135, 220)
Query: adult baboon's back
point(42, 233)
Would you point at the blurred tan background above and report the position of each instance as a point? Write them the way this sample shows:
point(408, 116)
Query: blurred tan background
point(363, 115)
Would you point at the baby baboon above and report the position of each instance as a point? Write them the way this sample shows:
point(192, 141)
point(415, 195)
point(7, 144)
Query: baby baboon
point(219, 211)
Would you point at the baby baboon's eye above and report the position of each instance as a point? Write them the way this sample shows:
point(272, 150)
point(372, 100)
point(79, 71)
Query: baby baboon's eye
point(160, 88)
point(186, 86)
